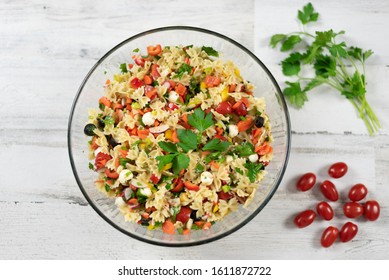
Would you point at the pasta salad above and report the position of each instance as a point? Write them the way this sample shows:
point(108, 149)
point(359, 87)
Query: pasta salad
point(179, 139)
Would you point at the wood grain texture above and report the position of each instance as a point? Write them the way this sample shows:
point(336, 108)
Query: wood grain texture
point(47, 47)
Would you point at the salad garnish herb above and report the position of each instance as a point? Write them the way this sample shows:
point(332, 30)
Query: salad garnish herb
point(335, 64)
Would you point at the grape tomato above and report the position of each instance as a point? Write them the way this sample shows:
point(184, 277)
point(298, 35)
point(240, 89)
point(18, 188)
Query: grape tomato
point(325, 210)
point(337, 170)
point(372, 210)
point(329, 236)
point(305, 218)
point(352, 209)
point(348, 232)
point(306, 182)
point(357, 192)
point(328, 189)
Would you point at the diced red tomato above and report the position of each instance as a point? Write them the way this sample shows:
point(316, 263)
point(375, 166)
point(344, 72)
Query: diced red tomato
point(263, 149)
point(184, 215)
point(178, 185)
point(101, 160)
point(154, 71)
point(224, 108)
point(105, 101)
point(192, 187)
point(224, 196)
point(245, 101)
point(240, 108)
point(154, 179)
point(111, 173)
point(150, 92)
point(139, 61)
point(94, 145)
point(245, 125)
point(136, 83)
point(212, 81)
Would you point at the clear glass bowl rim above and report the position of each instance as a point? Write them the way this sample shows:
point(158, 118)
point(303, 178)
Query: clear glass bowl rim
point(278, 92)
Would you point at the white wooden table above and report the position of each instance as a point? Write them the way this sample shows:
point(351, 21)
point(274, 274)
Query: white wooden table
point(47, 47)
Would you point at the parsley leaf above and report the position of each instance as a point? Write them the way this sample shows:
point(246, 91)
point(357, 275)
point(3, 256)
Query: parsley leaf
point(294, 94)
point(188, 140)
point(168, 147)
point(216, 145)
point(136, 50)
point(123, 68)
point(199, 120)
point(91, 167)
point(277, 38)
point(238, 170)
point(124, 161)
point(289, 43)
point(184, 68)
point(181, 161)
point(323, 38)
point(359, 54)
point(338, 49)
point(291, 65)
point(210, 51)
point(325, 66)
point(215, 156)
point(252, 170)
point(245, 149)
point(311, 53)
point(163, 160)
point(199, 168)
point(307, 14)
point(354, 87)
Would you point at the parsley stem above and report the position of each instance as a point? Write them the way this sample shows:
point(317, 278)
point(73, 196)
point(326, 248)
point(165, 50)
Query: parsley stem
point(302, 33)
point(370, 113)
point(342, 75)
point(329, 82)
point(343, 68)
point(361, 115)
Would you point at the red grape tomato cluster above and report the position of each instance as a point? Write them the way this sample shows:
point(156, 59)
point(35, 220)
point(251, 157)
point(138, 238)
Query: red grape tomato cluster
point(352, 209)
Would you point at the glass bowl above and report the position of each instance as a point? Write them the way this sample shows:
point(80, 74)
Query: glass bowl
point(251, 68)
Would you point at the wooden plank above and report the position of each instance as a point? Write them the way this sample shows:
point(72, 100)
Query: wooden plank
point(70, 230)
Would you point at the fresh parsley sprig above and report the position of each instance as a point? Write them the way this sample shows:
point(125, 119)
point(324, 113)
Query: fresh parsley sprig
point(329, 59)
point(184, 68)
point(189, 141)
point(252, 170)
point(210, 51)
point(178, 160)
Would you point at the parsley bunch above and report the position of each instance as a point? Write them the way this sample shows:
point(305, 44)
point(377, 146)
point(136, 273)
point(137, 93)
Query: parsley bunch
point(189, 141)
point(335, 64)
